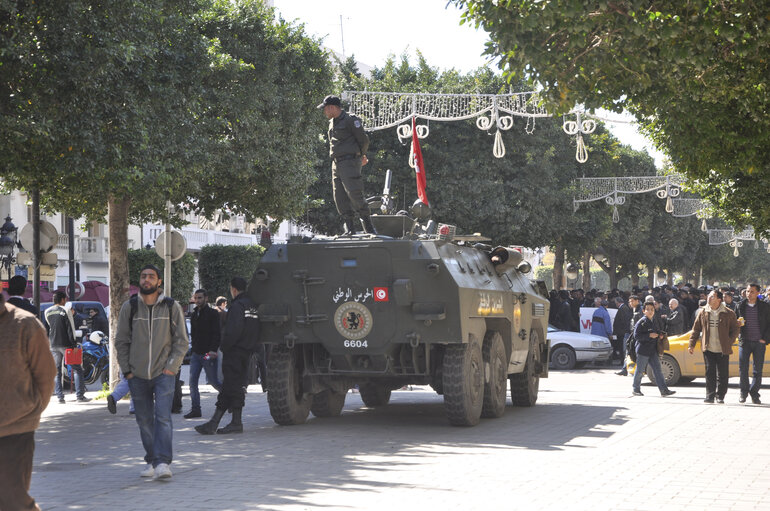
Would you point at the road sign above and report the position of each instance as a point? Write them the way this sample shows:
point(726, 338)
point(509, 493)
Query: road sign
point(49, 236)
point(178, 245)
point(25, 258)
point(47, 272)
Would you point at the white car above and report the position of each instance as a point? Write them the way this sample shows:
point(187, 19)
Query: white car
point(572, 349)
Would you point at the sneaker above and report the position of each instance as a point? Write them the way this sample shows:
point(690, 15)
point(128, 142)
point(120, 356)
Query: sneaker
point(720, 400)
point(742, 399)
point(194, 414)
point(755, 400)
point(708, 400)
point(111, 405)
point(148, 471)
point(622, 372)
point(638, 393)
point(668, 392)
point(61, 401)
point(84, 399)
point(162, 471)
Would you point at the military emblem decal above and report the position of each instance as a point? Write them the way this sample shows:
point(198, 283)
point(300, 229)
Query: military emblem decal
point(353, 320)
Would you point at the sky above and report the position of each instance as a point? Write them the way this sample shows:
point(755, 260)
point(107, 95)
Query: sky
point(373, 30)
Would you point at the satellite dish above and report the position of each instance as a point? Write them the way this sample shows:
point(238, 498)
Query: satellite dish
point(49, 237)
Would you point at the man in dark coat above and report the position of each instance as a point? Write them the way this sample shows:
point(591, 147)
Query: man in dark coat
point(204, 331)
point(17, 286)
point(754, 316)
point(621, 327)
point(563, 317)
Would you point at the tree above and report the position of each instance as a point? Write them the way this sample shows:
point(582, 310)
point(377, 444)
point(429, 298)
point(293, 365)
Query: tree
point(118, 108)
point(218, 264)
point(695, 75)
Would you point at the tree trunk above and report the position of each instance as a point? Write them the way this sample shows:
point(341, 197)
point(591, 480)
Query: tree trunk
point(634, 279)
point(119, 281)
point(558, 267)
point(613, 273)
point(650, 276)
point(586, 271)
point(670, 277)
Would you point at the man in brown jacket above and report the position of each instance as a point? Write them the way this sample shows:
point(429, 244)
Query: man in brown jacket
point(27, 374)
point(720, 328)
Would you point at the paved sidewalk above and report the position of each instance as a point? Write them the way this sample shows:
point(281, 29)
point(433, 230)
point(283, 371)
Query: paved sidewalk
point(587, 444)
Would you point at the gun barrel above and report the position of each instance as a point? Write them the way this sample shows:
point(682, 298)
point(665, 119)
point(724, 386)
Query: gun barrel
point(388, 177)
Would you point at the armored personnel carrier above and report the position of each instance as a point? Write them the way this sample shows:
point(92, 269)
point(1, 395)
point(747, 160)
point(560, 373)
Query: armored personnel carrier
point(414, 304)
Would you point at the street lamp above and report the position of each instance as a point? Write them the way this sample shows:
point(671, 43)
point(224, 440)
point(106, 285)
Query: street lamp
point(8, 234)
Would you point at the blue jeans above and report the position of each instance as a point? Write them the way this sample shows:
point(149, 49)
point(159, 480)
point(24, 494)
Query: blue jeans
point(197, 362)
point(77, 372)
point(642, 363)
point(121, 389)
point(756, 350)
point(152, 400)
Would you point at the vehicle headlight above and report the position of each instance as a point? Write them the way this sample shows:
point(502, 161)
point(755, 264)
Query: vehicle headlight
point(600, 344)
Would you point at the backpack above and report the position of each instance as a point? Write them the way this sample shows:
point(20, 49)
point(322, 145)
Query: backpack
point(134, 303)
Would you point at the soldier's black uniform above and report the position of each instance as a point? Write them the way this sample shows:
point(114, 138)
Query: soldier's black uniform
point(348, 143)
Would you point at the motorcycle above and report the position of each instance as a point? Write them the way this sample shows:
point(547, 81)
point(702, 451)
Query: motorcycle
point(96, 360)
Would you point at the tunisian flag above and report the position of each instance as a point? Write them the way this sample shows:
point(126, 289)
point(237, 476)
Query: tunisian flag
point(419, 166)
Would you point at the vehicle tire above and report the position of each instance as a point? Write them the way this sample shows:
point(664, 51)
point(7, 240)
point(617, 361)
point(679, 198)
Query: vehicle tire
point(374, 395)
point(563, 358)
point(525, 385)
point(463, 383)
point(496, 372)
point(288, 402)
point(328, 403)
point(671, 372)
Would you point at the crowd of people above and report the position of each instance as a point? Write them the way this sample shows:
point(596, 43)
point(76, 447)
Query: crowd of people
point(645, 318)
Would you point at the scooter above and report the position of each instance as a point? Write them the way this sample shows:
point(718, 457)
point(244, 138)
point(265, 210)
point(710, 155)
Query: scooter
point(96, 359)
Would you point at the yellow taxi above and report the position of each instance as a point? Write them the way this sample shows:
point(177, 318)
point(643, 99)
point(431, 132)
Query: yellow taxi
point(680, 366)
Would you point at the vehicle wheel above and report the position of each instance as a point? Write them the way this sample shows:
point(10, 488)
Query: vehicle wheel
point(563, 357)
point(496, 372)
point(671, 372)
point(288, 402)
point(328, 403)
point(373, 394)
point(463, 383)
point(525, 385)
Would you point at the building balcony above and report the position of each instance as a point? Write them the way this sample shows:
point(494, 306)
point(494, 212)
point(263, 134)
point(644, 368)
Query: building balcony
point(197, 238)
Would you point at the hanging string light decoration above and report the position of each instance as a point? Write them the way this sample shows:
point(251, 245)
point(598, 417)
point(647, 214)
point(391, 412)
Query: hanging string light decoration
point(383, 110)
point(611, 189)
point(689, 207)
point(731, 237)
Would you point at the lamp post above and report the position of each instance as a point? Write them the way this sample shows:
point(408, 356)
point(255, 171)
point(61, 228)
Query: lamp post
point(8, 233)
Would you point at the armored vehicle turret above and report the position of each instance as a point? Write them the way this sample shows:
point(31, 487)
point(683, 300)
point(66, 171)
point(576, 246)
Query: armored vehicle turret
point(414, 304)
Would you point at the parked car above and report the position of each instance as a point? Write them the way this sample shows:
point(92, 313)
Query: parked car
point(679, 366)
point(572, 349)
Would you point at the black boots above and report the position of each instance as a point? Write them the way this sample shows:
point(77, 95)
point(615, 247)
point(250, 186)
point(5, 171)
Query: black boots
point(210, 427)
point(366, 222)
point(235, 426)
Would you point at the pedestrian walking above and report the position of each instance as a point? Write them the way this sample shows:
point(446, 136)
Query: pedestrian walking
point(204, 330)
point(718, 327)
point(151, 342)
point(754, 320)
point(629, 343)
point(348, 144)
point(17, 286)
point(61, 335)
point(27, 373)
point(646, 337)
point(239, 340)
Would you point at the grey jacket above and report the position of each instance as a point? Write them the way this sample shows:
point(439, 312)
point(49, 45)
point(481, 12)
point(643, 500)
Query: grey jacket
point(151, 346)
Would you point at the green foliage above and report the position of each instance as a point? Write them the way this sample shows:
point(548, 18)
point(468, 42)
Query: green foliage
point(695, 75)
point(182, 272)
point(218, 264)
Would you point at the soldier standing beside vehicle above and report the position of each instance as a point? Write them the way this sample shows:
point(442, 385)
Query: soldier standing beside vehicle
point(239, 340)
point(755, 331)
point(719, 327)
point(347, 147)
point(151, 342)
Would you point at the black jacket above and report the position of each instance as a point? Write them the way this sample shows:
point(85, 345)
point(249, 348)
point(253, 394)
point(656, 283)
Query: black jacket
point(242, 326)
point(675, 322)
point(60, 333)
point(22, 303)
point(204, 329)
point(763, 313)
point(563, 318)
point(622, 324)
point(646, 345)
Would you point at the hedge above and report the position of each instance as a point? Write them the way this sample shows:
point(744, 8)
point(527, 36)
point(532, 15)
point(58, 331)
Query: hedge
point(218, 264)
point(182, 272)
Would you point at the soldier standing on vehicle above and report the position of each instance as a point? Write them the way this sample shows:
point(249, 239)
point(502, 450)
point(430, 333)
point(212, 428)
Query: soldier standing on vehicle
point(347, 147)
point(151, 342)
point(239, 340)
